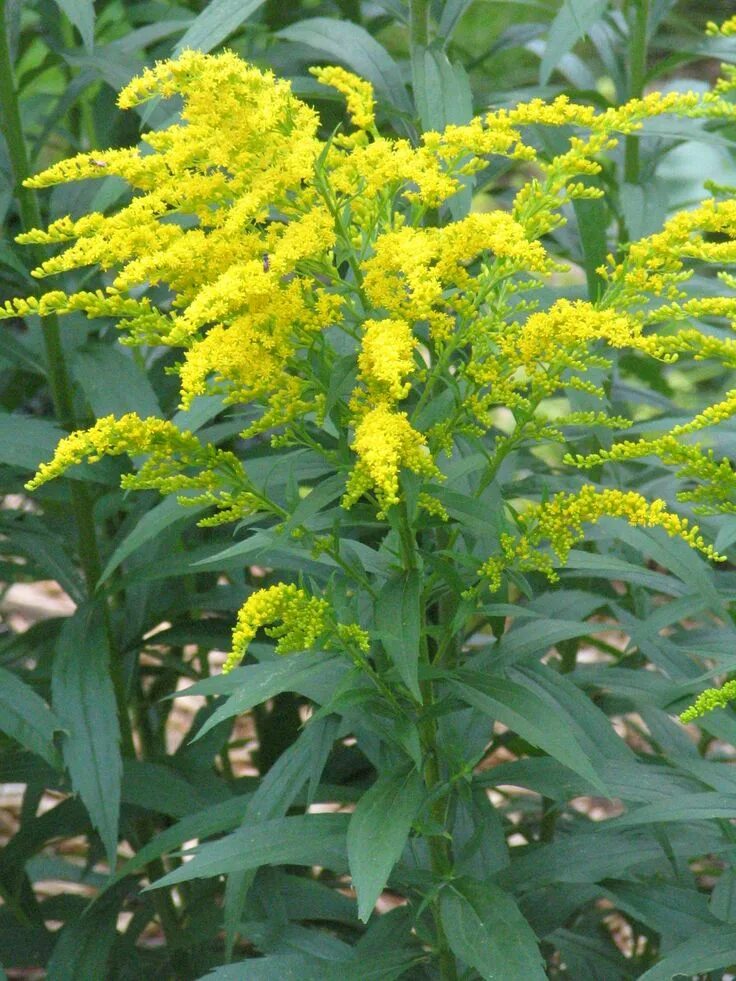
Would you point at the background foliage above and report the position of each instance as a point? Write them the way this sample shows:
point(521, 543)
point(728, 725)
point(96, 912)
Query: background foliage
point(86, 724)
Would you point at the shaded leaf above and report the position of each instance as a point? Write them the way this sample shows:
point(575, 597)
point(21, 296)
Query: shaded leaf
point(708, 950)
point(573, 21)
point(82, 14)
point(351, 45)
point(397, 616)
point(25, 717)
point(379, 828)
point(486, 930)
point(84, 701)
point(523, 711)
point(218, 21)
point(305, 839)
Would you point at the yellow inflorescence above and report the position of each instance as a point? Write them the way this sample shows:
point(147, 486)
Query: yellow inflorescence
point(387, 357)
point(281, 254)
point(710, 699)
point(559, 522)
point(301, 619)
point(358, 94)
point(386, 443)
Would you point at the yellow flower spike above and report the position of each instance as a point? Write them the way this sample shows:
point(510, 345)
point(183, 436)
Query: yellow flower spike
point(711, 698)
point(385, 442)
point(559, 523)
point(386, 357)
point(358, 94)
point(302, 619)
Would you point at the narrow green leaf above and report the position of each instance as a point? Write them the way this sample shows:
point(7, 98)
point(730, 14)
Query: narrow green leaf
point(723, 898)
point(25, 717)
point(397, 616)
point(486, 930)
point(528, 715)
point(25, 441)
point(695, 807)
point(84, 701)
point(212, 820)
point(351, 45)
point(592, 214)
point(218, 21)
point(305, 839)
point(160, 517)
point(708, 950)
point(83, 948)
point(379, 828)
point(382, 965)
point(113, 383)
point(259, 682)
point(452, 11)
point(573, 21)
point(441, 89)
point(82, 14)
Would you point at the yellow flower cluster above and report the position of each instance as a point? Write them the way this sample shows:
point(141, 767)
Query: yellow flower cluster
point(559, 522)
point(726, 29)
point(711, 698)
point(301, 619)
point(281, 251)
point(385, 443)
point(387, 357)
point(358, 94)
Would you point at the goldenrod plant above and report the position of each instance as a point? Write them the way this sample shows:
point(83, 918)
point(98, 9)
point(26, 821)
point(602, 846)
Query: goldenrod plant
point(456, 514)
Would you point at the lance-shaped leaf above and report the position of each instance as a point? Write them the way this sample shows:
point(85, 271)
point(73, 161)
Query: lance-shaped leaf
point(304, 839)
point(84, 701)
point(27, 718)
point(378, 831)
point(522, 710)
point(398, 624)
point(486, 930)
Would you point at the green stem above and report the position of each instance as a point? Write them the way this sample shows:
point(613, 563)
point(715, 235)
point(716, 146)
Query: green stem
point(637, 75)
point(440, 854)
point(419, 23)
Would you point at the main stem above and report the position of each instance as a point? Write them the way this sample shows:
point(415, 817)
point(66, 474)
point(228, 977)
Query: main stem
point(440, 855)
point(419, 23)
point(637, 74)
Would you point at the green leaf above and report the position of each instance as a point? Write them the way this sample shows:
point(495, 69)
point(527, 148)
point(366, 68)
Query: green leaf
point(379, 828)
point(397, 618)
point(382, 965)
point(573, 21)
point(84, 700)
point(695, 807)
point(708, 950)
point(82, 14)
point(211, 820)
point(49, 555)
point(25, 717)
point(527, 714)
point(609, 567)
point(159, 518)
point(83, 947)
point(351, 45)
point(723, 898)
point(258, 682)
point(529, 640)
point(305, 839)
point(486, 930)
point(441, 89)
point(592, 216)
point(218, 21)
point(25, 441)
point(452, 11)
point(159, 788)
point(113, 383)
